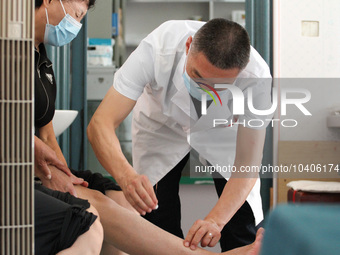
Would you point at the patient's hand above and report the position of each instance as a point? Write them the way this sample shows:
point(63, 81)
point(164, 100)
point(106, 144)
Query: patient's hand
point(44, 156)
point(62, 182)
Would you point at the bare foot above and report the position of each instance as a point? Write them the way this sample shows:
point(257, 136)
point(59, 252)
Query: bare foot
point(256, 245)
point(251, 249)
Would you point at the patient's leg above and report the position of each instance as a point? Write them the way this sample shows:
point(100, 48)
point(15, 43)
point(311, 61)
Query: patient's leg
point(119, 198)
point(134, 235)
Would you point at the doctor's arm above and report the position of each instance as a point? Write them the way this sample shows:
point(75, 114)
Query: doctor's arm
point(249, 148)
point(101, 133)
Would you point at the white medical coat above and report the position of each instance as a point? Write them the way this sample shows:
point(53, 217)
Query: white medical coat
point(165, 127)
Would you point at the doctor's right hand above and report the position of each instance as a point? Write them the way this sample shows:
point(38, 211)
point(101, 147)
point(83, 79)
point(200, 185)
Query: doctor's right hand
point(139, 192)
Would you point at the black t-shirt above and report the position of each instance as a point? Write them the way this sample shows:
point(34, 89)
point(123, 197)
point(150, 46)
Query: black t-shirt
point(45, 88)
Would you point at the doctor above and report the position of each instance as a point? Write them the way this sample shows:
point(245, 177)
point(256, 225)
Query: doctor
point(158, 83)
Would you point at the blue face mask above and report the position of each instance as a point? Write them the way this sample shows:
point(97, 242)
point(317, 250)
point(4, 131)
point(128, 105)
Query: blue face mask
point(194, 89)
point(64, 32)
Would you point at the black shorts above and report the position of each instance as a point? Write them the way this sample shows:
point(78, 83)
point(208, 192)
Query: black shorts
point(96, 180)
point(60, 219)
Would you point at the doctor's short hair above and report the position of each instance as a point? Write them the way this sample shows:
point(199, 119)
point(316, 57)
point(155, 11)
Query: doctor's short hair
point(91, 3)
point(225, 43)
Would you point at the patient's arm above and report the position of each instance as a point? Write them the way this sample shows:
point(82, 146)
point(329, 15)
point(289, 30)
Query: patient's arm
point(59, 180)
point(53, 173)
point(111, 112)
point(45, 156)
point(47, 135)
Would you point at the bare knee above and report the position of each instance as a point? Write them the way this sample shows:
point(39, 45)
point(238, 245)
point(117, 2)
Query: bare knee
point(95, 234)
point(96, 198)
point(105, 203)
point(93, 210)
point(119, 198)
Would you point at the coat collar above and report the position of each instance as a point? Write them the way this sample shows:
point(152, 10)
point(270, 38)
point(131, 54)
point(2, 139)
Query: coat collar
point(217, 111)
point(181, 97)
point(183, 101)
point(205, 122)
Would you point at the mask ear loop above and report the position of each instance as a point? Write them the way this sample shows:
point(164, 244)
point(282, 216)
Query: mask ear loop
point(47, 16)
point(63, 7)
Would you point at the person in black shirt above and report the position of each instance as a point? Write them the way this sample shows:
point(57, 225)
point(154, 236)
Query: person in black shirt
point(64, 224)
point(57, 23)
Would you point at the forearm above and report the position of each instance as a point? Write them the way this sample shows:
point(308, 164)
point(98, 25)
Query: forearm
point(101, 133)
point(47, 135)
point(232, 198)
point(106, 146)
point(40, 166)
point(249, 149)
point(53, 144)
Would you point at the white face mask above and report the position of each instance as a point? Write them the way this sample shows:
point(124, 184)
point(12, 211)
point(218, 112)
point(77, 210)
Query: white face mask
point(64, 32)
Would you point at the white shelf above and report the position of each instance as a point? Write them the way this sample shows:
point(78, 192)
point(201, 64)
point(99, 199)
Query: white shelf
point(143, 16)
point(133, 40)
point(229, 1)
point(167, 1)
point(186, 1)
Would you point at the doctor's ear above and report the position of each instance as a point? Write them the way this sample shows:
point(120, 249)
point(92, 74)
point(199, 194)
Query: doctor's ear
point(187, 44)
point(46, 3)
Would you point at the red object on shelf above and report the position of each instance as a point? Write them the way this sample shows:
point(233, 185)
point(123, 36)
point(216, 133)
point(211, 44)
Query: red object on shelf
point(296, 196)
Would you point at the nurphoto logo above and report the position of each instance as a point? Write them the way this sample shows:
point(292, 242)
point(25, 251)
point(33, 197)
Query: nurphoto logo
point(239, 103)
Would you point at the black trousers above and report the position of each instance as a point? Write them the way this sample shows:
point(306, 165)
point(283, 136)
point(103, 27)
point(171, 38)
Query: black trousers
point(239, 231)
point(60, 219)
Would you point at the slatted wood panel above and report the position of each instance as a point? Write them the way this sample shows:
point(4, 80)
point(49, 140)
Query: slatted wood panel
point(16, 129)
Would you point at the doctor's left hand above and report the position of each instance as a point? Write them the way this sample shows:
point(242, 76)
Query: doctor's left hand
point(139, 192)
point(206, 232)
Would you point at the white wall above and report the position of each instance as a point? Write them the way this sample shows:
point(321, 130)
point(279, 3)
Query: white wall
point(299, 55)
point(325, 99)
point(100, 20)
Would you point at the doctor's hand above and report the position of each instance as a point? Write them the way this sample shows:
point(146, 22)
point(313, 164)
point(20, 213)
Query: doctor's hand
point(62, 182)
point(139, 192)
point(45, 156)
point(206, 232)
